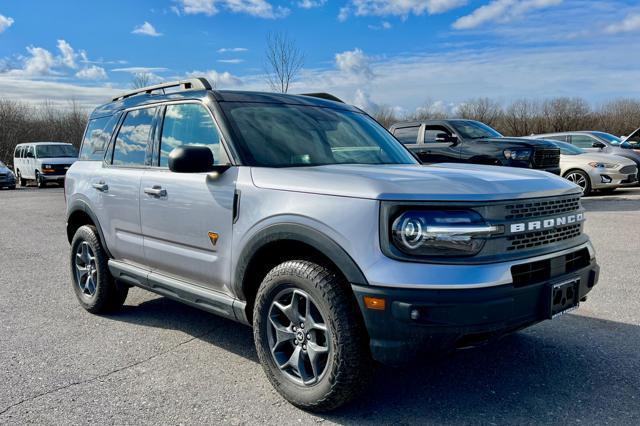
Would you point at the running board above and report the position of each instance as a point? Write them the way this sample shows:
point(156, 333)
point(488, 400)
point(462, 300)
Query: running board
point(182, 291)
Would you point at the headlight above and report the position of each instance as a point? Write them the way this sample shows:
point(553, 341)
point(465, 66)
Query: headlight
point(440, 233)
point(598, 165)
point(517, 154)
point(47, 166)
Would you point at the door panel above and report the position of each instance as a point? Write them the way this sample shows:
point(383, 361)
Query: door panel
point(177, 220)
point(437, 152)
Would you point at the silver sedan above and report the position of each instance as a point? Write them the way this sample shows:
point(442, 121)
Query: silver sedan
point(595, 171)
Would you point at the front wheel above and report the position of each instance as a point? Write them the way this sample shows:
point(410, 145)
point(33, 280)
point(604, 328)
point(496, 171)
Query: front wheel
point(20, 179)
point(581, 179)
point(40, 181)
point(92, 282)
point(310, 337)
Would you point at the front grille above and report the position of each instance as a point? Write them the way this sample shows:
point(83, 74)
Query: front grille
point(59, 169)
point(531, 209)
point(3, 175)
point(547, 157)
point(544, 270)
point(541, 238)
point(628, 169)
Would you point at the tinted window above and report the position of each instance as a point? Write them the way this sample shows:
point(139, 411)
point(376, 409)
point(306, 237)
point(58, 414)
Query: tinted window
point(18, 152)
point(280, 135)
point(431, 132)
point(407, 135)
point(188, 124)
point(582, 141)
point(133, 137)
point(96, 138)
point(29, 151)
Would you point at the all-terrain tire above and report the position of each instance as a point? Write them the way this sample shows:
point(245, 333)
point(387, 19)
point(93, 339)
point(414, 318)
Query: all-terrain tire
point(108, 294)
point(348, 366)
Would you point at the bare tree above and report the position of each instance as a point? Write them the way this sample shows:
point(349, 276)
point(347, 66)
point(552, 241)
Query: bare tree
point(140, 80)
point(284, 61)
point(481, 109)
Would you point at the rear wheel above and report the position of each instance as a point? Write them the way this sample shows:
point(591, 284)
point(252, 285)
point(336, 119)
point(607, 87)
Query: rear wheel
point(309, 336)
point(92, 282)
point(581, 179)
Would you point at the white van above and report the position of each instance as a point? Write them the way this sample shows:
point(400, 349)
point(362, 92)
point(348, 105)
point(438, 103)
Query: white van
point(43, 162)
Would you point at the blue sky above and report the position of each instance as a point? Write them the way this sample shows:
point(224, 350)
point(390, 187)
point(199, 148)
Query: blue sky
point(404, 54)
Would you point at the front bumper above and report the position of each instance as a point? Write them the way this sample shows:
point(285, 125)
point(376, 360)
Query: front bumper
point(611, 178)
point(418, 321)
point(53, 177)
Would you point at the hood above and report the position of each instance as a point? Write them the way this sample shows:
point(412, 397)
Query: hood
point(589, 157)
point(519, 142)
point(440, 182)
point(58, 160)
point(5, 169)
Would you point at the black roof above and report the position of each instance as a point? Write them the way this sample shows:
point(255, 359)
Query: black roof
point(220, 96)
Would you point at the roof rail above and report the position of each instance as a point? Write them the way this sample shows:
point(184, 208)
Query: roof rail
point(190, 84)
point(327, 96)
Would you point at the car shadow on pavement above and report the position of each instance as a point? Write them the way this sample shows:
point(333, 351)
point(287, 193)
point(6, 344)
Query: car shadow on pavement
point(573, 369)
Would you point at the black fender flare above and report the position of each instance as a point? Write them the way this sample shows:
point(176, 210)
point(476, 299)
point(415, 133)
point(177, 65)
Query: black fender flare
point(80, 205)
point(300, 233)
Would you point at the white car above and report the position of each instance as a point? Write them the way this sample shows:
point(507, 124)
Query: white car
point(43, 162)
point(595, 171)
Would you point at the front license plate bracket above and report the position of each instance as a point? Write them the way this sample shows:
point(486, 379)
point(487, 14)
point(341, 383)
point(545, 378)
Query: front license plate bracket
point(564, 297)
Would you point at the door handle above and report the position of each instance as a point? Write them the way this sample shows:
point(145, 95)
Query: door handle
point(156, 191)
point(101, 186)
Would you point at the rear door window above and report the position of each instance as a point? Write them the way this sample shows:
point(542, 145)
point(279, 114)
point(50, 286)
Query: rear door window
point(407, 135)
point(134, 137)
point(561, 138)
point(97, 138)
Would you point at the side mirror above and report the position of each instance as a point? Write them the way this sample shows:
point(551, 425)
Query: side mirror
point(191, 159)
point(599, 145)
point(444, 137)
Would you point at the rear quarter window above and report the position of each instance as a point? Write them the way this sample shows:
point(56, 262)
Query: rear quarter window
point(96, 138)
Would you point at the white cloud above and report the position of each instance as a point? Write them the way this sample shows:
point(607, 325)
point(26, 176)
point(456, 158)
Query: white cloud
point(5, 22)
point(310, 4)
point(501, 11)
point(67, 54)
point(138, 70)
point(146, 29)
point(231, 61)
point(219, 79)
point(384, 25)
point(354, 62)
point(258, 8)
point(92, 72)
point(630, 24)
point(402, 8)
point(232, 49)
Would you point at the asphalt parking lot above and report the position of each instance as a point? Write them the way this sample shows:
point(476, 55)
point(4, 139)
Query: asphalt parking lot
point(160, 362)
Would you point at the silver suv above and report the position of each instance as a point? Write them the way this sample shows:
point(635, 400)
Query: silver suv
point(304, 218)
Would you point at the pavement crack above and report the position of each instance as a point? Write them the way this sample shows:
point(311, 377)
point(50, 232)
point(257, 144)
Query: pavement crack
point(109, 373)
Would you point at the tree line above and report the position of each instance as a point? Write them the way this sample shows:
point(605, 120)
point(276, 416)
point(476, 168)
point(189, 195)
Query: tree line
point(23, 122)
point(525, 117)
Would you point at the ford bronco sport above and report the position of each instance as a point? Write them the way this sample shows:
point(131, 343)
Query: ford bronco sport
point(306, 219)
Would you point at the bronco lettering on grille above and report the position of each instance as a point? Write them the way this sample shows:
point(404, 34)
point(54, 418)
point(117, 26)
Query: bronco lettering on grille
point(536, 225)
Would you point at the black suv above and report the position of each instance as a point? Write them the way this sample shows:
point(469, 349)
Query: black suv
point(469, 141)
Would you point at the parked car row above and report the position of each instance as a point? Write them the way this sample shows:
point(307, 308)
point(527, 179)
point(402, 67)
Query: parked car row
point(592, 160)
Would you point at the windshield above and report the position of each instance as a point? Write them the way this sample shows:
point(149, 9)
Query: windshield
point(567, 148)
point(56, 151)
point(474, 129)
point(281, 135)
point(608, 137)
